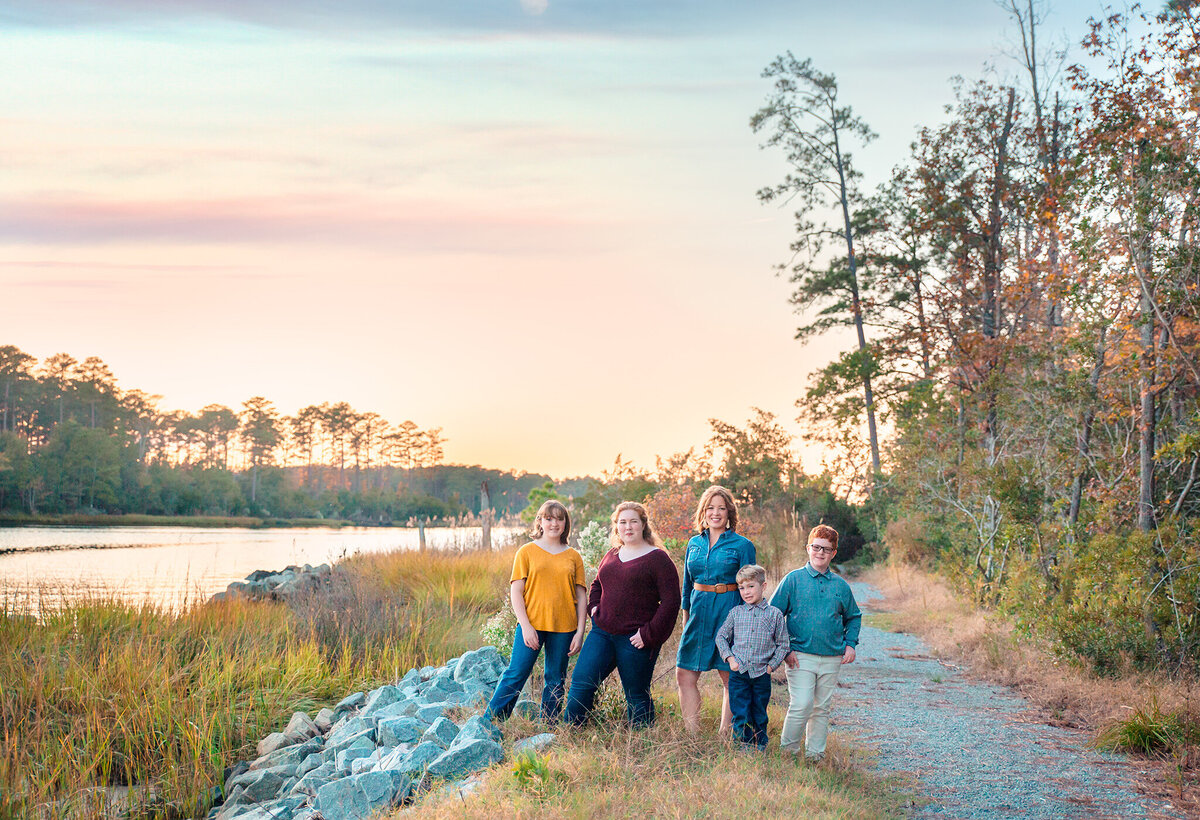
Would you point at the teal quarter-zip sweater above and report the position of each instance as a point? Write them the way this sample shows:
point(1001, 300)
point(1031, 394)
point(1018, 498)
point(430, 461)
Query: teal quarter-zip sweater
point(822, 616)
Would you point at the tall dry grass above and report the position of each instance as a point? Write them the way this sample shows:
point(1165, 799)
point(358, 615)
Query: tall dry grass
point(606, 770)
point(99, 693)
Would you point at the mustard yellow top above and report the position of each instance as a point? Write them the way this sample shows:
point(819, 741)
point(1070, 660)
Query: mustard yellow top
point(550, 582)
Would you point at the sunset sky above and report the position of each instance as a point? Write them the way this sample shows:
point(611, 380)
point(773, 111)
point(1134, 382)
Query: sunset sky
point(532, 223)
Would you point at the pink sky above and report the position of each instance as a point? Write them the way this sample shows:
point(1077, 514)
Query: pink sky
point(523, 223)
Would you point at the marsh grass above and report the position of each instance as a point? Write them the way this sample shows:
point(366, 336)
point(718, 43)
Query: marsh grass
point(606, 770)
point(98, 695)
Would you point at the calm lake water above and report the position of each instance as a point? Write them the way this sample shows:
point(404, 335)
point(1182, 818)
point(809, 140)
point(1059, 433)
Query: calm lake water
point(172, 566)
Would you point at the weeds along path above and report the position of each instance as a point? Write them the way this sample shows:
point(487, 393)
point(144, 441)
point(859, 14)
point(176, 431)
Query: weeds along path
point(973, 748)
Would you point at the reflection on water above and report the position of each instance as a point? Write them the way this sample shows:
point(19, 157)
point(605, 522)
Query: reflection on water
point(173, 566)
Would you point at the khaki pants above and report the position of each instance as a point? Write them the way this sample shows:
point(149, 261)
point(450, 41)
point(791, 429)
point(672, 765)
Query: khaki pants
point(810, 689)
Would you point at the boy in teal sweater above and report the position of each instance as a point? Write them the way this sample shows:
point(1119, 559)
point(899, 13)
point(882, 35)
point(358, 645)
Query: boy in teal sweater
point(823, 621)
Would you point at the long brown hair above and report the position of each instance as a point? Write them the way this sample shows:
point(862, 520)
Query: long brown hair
point(647, 534)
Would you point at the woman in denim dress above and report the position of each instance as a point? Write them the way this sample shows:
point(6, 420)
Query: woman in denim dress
point(709, 591)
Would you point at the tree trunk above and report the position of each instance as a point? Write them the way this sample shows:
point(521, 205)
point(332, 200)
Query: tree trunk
point(485, 516)
point(856, 307)
point(1085, 436)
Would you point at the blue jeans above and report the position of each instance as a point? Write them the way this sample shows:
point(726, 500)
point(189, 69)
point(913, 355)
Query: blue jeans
point(557, 645)
point(748, 699)
point(602, 653)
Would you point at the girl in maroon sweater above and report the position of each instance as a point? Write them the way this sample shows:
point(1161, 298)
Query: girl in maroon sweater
point(633, 602)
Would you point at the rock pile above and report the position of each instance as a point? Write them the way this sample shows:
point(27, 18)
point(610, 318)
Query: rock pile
point(265, 584)
point(376, 749)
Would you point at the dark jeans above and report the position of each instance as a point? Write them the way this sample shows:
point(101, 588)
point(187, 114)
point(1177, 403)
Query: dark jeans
point(748, 699)
point(557, 645)
point(602, 653)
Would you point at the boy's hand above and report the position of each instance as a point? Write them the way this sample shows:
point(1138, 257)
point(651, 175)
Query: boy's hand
point(733, 664)
point(530, 637)
point(791, 660)
point(636, 640)
point(848, 655)
point(576, 644)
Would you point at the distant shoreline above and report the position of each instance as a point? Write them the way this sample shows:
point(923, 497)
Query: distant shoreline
point(138, 520)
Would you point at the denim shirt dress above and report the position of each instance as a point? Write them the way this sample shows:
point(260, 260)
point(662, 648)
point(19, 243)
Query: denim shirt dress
point(707, 610)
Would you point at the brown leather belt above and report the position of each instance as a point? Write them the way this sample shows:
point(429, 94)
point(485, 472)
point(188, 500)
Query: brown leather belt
point(715, 587)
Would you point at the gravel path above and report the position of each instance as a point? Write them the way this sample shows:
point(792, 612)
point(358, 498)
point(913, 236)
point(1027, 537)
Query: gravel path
point(972, 746)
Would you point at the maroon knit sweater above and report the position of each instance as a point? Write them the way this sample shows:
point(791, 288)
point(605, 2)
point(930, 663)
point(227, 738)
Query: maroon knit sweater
point(639, 594)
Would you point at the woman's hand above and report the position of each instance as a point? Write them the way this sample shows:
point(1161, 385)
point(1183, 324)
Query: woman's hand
point(576, 644)
point(636, 640)
point(530, 636)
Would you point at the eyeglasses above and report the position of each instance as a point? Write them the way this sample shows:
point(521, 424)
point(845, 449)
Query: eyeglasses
point(819, 548)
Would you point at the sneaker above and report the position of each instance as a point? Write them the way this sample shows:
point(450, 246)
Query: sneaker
point(814, 759)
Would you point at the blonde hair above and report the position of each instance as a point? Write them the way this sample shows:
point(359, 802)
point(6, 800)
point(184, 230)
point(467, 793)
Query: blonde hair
point(823, 531)
point(703, 505)
point(648, 535)
point(751, 572)
point(552, 509)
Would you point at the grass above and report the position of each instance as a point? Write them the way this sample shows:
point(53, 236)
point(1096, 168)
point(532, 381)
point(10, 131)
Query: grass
point(606, 770)
point(102, 693)
point(1151, 715)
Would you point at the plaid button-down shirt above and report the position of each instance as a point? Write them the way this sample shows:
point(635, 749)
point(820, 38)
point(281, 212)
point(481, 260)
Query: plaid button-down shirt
point(756, 636)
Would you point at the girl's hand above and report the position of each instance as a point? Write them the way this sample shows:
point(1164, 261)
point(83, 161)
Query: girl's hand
point(530, 637)
point(576, 644)
point(636, 640)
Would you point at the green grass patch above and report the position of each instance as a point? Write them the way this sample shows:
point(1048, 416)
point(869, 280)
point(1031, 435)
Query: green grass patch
point(1148, 730)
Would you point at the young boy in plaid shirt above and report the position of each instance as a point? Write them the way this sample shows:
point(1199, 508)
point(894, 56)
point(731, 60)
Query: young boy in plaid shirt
point(753, 641)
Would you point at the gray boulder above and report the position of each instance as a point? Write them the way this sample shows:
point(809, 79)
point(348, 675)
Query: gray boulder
point(484, 663)
point(477, 727)
point(443, 731)
point(413, 762)
point(288, 755)
point(349, 703)
point(432, 711)
point(407, 707)
point(537, 743)
point(314, 780)
point(379, 698)
point(324, 720)
point(394, 731)
point(366, 764)
point(360, 747)
point(465, 758)
point(358, 796)
point(349, 729)
point(301, 726)
point(273, 741)
point(258, 786)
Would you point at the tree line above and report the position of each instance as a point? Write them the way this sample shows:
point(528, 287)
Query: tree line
point(1025, 291)
point(72, 440)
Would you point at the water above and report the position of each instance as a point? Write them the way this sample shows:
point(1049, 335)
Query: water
point(172, 566)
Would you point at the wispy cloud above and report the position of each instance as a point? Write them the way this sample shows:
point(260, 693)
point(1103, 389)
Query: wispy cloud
point(630, 17)
point(412, 225)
